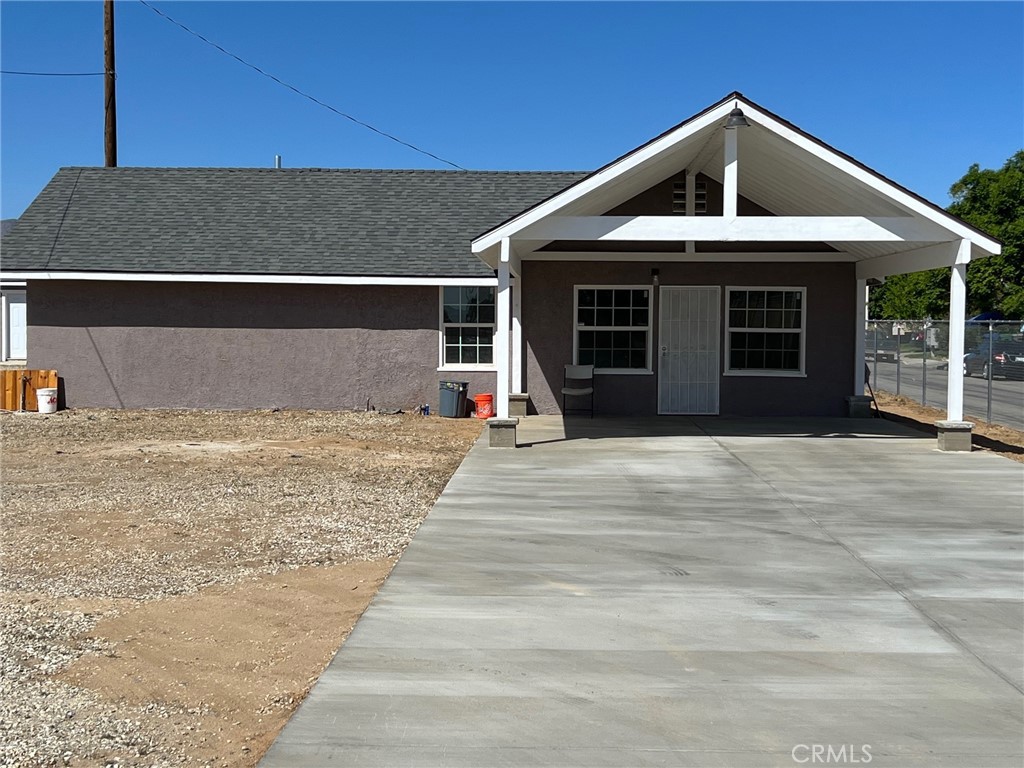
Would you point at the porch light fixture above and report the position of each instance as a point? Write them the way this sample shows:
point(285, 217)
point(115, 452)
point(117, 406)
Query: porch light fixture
point(736, 120)
point(654, 276)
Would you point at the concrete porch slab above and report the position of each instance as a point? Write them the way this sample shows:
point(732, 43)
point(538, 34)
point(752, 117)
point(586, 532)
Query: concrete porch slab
point(691, 592)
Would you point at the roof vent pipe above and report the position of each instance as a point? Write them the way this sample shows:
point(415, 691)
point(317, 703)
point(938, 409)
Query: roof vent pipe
point(277, 161)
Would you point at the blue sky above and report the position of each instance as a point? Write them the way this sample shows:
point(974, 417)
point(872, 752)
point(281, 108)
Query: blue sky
point(918, 91)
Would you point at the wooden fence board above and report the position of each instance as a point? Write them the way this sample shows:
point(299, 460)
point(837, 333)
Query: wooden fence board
point(24, 382)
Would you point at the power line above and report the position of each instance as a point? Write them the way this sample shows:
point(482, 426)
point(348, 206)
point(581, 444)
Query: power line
point(52, 74)
point(305, 95)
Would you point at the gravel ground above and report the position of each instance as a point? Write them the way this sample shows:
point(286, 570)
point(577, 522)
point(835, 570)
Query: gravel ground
point(104, 512)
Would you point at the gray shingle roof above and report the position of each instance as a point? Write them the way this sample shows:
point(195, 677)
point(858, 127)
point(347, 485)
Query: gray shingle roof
point(297, 221)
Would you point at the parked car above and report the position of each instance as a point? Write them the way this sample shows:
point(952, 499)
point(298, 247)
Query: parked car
point(888, 348)
point(1007, 360)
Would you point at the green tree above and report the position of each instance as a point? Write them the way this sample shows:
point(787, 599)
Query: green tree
point(992, 201)
point(913, 296)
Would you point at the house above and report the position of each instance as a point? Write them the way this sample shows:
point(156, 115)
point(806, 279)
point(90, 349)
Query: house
point(719, 268)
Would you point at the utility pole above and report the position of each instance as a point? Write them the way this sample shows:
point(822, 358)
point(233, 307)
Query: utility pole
point(109, 87)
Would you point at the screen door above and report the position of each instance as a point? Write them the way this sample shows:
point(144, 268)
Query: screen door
point(689, 341)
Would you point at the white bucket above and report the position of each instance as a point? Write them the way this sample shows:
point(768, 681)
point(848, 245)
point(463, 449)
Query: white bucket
point(47, 399)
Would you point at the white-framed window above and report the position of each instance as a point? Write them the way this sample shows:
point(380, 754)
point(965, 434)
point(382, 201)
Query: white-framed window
point(765, 330)
point(613, 328)
point(467, 327)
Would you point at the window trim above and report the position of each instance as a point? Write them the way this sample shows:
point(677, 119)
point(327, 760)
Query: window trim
point(765, 372)
point(649, 328)
point(441, 324)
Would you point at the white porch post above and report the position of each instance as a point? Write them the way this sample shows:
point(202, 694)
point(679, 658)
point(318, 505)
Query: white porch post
point(730, 182)
point(501, 335)
point(517, 334)
point(858, 344)
point(957, 313)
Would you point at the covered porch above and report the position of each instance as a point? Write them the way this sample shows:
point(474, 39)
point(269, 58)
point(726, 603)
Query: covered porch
point(721, 268)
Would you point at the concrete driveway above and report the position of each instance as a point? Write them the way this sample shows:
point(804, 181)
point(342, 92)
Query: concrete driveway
point(704, 592)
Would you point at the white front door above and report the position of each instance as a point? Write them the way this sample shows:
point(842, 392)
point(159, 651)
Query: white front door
point(689, 341)
point(15, 326)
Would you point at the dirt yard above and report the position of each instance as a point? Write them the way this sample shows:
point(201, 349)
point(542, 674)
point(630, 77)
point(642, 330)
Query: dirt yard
point(174, 582)
point(986, 437)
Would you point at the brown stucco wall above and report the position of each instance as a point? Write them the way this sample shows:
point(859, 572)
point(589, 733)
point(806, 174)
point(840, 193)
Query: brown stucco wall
point(206, 345)
point(548, 326)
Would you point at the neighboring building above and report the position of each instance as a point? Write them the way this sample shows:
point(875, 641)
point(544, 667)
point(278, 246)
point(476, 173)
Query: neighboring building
point(13, 322)
point(713, 270)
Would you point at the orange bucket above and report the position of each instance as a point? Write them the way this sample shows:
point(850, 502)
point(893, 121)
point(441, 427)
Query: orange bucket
point(484, 406)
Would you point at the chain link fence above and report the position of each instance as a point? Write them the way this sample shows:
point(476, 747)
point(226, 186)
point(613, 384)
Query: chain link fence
point(911, 358)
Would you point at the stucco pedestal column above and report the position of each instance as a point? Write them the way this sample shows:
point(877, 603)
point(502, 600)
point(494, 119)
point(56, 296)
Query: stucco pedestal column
point(501, 433)
point(858, 407)
point(517, 404)
point(954, 435)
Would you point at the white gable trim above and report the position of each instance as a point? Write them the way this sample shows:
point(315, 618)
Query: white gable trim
point(642, 156)
point(650, 153)
point(868, 178)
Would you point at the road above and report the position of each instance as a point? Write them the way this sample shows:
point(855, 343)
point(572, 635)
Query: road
point(1007, 396)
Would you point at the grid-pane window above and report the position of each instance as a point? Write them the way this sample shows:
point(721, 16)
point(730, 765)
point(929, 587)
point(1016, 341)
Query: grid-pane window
point(612, 327)
point(467, 318)
point(766, 327)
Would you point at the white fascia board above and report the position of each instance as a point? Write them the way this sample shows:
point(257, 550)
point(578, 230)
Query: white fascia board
point(869, 179)
point(163, 277)
point(491, 256)
point(803, 229)
point(637, 158)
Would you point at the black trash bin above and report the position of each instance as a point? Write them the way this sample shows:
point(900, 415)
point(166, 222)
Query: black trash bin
point(453, 398)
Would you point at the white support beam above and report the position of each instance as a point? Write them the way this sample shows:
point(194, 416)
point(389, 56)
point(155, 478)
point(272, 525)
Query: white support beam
point(804, 229)
point(517, 334)
point(730, 177)
point(501, 332)
point(691, 204)
point(858, 340)
point(957, 315)
point(917, 260)
point(703, 256)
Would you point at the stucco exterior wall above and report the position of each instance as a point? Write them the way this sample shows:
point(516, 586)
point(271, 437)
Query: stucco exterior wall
point(548, 327)
point(208, 345)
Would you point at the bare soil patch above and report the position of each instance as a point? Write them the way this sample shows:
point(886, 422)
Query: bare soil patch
point(987, 437)
point(173, 582)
